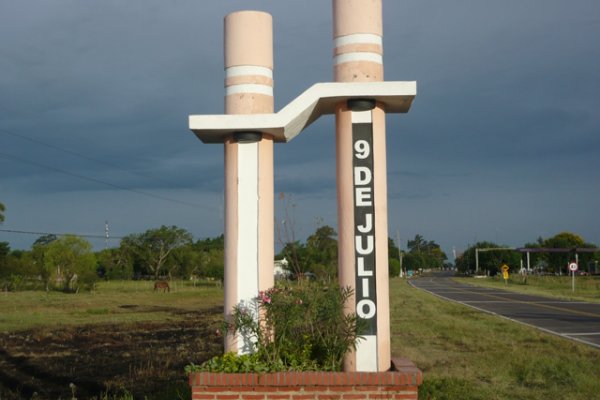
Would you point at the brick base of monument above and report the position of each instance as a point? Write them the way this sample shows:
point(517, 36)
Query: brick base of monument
point(401, 382)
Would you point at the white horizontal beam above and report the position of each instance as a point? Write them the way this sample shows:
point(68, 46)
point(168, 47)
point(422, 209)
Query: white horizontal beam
point(317, 100)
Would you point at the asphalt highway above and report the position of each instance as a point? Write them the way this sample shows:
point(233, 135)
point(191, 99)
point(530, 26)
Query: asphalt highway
point(579, 321)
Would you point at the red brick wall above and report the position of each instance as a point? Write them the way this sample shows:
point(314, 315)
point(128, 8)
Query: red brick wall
point(400, 383)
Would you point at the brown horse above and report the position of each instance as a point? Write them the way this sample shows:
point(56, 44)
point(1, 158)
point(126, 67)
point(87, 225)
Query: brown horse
point(164, 285)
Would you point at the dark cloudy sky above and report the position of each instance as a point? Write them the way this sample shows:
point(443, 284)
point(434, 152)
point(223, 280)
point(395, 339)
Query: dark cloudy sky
point(502, 142)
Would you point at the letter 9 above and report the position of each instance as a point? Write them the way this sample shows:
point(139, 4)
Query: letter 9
point(362, 149)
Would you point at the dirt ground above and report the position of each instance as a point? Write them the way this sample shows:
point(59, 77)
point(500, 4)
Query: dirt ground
point(146, 360)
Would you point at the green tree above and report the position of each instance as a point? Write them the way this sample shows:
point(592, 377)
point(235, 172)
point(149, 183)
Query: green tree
point(322, 252)
point(2, 209)
point(489, 261)
point(45, 239)
point(4, 267)
point(393, 250)
point(4, 249)
point(423, 254)
point(393, 267)
point(115, 264)
point(152, 249)
point(72, 261)
point(38, 257)
point(414, 261)
point(537, 259)
point(559, 261)
point(393, 258)
point(417, 244)
point(208, 258)
point(296, 254)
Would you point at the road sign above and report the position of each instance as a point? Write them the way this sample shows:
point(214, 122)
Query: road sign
point(505, 268)
point(573, 267)
point(505, 275)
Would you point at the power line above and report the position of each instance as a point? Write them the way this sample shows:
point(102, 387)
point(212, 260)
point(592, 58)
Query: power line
point(83, 177)
point(59, 234)
point(83, 156)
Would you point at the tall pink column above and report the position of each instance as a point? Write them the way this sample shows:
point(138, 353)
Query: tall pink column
point(249, 240)
point(362, 180)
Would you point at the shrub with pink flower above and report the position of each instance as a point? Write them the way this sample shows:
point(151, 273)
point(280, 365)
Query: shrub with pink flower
point(300, 328)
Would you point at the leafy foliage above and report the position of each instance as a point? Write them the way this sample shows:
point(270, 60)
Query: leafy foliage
point(114, 264)
point(300, 328)
point(489, 261)
point(72, 261)
point(559, 261)
point(423, 254)
point(151, 250)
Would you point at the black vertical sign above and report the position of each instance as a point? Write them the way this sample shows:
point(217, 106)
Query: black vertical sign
point(364, 224)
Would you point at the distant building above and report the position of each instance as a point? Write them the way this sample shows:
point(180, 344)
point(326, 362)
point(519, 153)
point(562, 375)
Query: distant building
point(281, 270)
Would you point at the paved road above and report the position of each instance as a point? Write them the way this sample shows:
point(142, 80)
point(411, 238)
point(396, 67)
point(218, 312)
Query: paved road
point(578, 321)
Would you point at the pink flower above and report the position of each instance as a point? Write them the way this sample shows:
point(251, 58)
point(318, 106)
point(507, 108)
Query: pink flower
point(264, 297)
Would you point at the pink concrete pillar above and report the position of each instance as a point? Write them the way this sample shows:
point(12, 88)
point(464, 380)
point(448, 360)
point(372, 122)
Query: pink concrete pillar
point(362, 180)
point(249, 240)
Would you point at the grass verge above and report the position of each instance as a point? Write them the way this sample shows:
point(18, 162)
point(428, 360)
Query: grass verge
point(587, 288)
point(111, 302)
point(466, 354)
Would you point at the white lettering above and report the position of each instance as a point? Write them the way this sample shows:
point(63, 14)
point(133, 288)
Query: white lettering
point(362, 176)
point(359, 247)
point(362, 149)
point(365, 290)
point(360, 309)
point(363, 197)
point(361, 267)
point(368, 226)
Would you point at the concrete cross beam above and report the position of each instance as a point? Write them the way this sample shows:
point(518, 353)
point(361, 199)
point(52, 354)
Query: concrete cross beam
point(319, 99)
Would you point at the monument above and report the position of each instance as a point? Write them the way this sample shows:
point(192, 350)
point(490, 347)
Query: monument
point(360, 99)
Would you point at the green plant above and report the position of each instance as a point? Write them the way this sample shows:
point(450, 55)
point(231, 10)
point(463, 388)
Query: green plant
point(302, 328)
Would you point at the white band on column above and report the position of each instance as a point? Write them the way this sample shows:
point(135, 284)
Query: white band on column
point(358, 38)
point(358, 56)
point(242, 70)
point(249, 88)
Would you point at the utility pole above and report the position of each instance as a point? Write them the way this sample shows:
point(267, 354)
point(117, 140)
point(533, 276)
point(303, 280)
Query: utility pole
point(399, 252)
point(105, 234)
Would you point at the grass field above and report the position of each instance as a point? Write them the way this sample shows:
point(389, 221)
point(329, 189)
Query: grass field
point(464, 354)
point(118, 342)
point(587, 288)
point(111, 302)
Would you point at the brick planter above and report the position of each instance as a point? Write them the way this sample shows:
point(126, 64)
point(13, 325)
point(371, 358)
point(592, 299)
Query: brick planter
point(401, 382)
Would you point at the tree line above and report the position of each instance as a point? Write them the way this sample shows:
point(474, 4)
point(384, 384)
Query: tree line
point(541, 262)
point(68, 262)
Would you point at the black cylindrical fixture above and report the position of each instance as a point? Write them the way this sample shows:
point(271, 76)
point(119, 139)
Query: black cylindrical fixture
point(247, 137)
point(361, 104)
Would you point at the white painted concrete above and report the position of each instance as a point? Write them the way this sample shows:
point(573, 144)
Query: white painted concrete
point(319, 99)
point(249, 88)
point(366, 354)
point(357, 57)
point(362, 117)
point(247, 254)
point(358, 38)
point(244, 70)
